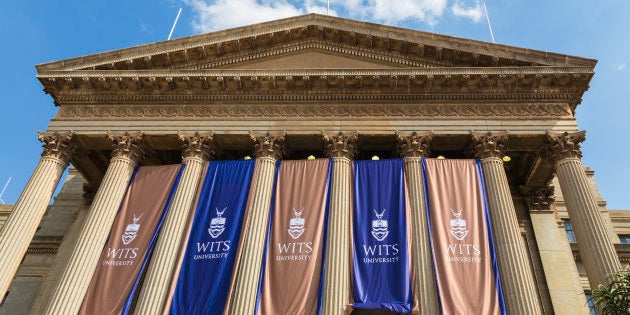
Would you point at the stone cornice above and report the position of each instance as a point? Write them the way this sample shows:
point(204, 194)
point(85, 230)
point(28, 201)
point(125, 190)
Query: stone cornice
point(334, 29)
point(306, 111)
point(534, 70)
point(190, 86)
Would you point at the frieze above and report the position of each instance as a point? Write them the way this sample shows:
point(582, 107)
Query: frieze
point(310, 111)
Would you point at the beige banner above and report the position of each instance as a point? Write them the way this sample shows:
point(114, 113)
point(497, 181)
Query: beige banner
point(461, 252)
point(129, 238)
point(294, 258)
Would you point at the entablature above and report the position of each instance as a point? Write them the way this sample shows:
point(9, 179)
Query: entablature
point(535, 83)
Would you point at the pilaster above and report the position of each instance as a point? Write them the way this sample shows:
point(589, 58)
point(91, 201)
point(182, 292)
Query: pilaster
point(197, 148)
point(267, 150)
point(566, 294)
point(22, 223)
point(68, 296)
point(516, 273)
point(412, 147)
point(341, 147)
point(596, 248)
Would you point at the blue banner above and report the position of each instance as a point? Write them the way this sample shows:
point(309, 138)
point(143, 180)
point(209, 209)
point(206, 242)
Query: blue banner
point(204, 279)
point(381, 279)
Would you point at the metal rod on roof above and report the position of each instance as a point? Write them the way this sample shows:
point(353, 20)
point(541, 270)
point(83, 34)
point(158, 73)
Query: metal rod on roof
point(174, 23)
point(328, 8)
point(5, 188)
point(485, 10)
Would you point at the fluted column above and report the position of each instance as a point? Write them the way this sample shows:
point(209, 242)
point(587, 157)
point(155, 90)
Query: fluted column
point(517, 277)
point(18, 230)
point(412, 147)
point(267, 150)
point(337, 278)
point(596, 248)
point(76, 278)
point(152, 299)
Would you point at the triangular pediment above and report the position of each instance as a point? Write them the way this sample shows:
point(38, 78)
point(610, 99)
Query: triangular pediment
point(315, 41)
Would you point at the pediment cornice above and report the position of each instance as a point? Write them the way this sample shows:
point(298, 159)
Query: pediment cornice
point(330, 33)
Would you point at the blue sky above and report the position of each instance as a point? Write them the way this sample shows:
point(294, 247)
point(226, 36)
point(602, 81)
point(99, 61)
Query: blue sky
point(36, 32)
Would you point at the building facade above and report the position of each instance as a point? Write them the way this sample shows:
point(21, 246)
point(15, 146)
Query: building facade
point(327, 87)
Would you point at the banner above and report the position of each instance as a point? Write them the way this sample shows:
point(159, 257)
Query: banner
point(204, 278)
point(131, 240)
point(381, 265)
point(294, 257)
point(459, 229)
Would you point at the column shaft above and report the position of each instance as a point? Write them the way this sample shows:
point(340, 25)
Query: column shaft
point(78, 273)
point(516, 273)
point(26, 215)
point(159, 275)
point(337, 277)
point(558, 265)
point(425, 285)
point(597, 251)
point(247, 272)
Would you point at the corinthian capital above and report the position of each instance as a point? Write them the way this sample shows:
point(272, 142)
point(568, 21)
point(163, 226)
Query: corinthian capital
point(341, 144)
point(127, 145)
point(565, 145)
point(57, 144)
point(266, 145)
point(540, 198)
point(196, 145)
point(414, 144)
point(489, 144)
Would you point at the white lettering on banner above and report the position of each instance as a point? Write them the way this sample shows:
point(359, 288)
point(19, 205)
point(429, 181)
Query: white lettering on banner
point(115, 256)
point(465, 253)
point(216, 249)
point(373, 254)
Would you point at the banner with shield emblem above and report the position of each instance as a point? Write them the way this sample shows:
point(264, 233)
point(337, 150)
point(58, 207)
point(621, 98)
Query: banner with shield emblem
point(461, 238)
point(206, 271)
point(381, 268)
point(295, 245)
point(131, 240)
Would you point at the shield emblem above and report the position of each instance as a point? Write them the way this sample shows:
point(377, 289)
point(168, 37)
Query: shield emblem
point(132, 230)
point(379, 227)
point(296, 231)
point(128, 237)
point(459, 232)
point(217, 225)
point(296, 225)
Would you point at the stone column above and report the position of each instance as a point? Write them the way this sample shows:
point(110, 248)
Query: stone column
point(555, 254)
point(22, 223)
point(78, 273)
point(160, 274)
point(412, 147)
point(337, 278)
point(267, 150)
point(596, 248)
point(517, 277)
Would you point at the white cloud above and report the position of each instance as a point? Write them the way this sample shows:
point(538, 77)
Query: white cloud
point(621, 66)
point(475, 12)
point(222, 14)
point(212, 15)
